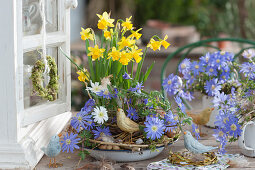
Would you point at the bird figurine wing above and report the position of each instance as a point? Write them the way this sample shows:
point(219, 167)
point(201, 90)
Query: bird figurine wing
point(200, 117)
point(131, 123)
point(53, 148)
point(126, 124)
point(194, 145)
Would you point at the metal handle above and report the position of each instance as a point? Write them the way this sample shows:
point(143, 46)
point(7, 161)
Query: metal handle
point(71, 4)
point(241, 138)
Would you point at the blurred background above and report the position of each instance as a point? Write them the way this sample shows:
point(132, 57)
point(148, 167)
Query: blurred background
point(184, 21)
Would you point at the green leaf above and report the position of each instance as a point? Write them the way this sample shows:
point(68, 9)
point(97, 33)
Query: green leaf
point(82, 155)
point(147, 73)
point(91, 69)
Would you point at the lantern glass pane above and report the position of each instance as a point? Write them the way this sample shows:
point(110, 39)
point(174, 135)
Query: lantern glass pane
point(31, 97)
point(51, 13)
point(31, 17)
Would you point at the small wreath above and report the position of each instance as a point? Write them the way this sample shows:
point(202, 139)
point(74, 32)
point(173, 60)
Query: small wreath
point(51, 90)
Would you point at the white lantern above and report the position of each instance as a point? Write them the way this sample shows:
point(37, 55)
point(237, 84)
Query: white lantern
point(29, 30)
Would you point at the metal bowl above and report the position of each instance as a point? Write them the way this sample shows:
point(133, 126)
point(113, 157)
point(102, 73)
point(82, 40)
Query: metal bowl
point(124, 155)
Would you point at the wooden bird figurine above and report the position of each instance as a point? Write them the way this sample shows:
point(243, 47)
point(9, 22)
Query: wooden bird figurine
point(126, 124)
point(200, 117)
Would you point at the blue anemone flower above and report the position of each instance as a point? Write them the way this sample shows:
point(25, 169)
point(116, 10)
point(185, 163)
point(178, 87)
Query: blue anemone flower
point(81, 119)
point(69, 142)
point(204, 60)
point(172, 84)
point(184, 66)
point(248, 69)
point(211, 70)
point(89, 105)
point(212, 87)
point(101, 130)
point(196, 67)
point(233, 128)
point(105, 94)
point(126, 76)
point(170, 121)
point(220, 100)
point(132, 113)
point(178, 100)
point(249, 54)
point(186, 95)
point(137, 88)
point(154, 128)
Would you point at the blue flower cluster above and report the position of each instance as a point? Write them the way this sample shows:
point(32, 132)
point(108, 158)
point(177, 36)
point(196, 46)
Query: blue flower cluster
point(173, 86)
point(215, 66)
point(226, 122)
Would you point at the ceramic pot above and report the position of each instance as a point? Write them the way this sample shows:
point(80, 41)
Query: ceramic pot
point(208, 102)
point(247, 138)
point(124, 155)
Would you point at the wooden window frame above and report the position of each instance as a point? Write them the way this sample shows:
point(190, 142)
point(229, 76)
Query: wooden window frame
point(60, 38)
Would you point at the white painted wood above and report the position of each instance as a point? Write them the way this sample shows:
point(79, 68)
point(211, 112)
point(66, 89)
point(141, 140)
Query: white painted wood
point(8, 50)
point(32, 42)
point(26, 153)
point(61, 39)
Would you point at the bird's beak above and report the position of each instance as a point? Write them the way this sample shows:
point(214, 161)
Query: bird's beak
point(59, 135)
point(185, 133)
point(212, 108)
point(119, 109)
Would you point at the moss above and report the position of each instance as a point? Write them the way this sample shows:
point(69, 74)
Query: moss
point(51, 90)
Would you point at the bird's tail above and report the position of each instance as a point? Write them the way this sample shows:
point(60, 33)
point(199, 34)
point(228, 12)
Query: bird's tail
point(212, 147)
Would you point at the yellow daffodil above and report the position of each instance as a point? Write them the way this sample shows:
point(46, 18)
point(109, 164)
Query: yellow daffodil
point(82, 76)
point(165, 43)
point(105, 21)
point(125, 58)
point(114, 54)
point(125, 42)
point(136, 54)
point(155, 45)
point(135, 34)
point(108, 34)
point(127, 25)
point(95, 52)
point(86, 34)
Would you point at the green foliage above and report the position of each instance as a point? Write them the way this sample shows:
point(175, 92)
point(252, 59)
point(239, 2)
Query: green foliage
point(172, 11)
point(203, 14)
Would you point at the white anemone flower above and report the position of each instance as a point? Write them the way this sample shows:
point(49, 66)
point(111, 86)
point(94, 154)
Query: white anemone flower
point(100, 114)
point(95, 87)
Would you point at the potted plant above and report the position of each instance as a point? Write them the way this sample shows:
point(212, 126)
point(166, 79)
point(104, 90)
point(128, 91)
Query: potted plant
point(203, 76)
point(231, 86)
point(121, 118)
